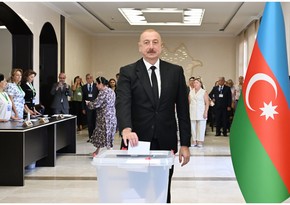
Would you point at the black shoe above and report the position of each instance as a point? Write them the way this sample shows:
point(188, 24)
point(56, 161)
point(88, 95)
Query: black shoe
point(88, 140)
point(225, 135)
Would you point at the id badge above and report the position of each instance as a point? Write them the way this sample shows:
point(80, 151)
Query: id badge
point(90, 95)
point(221, 95)
point(79, 94)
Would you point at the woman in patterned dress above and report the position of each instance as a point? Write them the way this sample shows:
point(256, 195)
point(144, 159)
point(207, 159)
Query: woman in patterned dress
point(16, 94)
point(106, 121)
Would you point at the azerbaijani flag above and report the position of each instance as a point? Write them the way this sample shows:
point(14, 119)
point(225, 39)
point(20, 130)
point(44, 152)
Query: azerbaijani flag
point(260, 132)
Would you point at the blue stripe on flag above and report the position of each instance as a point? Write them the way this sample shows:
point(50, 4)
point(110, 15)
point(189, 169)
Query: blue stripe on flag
point(272, 42)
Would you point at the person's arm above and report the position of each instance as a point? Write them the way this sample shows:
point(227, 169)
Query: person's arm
point(182, 108)
point(97, 102)
point(229, 105)
point(69, 91)
point(206, 102)
point(26, 109)
point(211, 94)
point(83, 100)
point(123, 108)
point(14, 108)
point(74, 86)
point(3, 120)
point(36, 112)
point(54, 89)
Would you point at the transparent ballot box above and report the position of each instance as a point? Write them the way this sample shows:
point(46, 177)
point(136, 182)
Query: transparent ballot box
point(139, 178)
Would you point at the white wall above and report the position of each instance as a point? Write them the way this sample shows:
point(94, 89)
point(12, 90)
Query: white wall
point(216, 53)
point(5, 52)
point(78, 52)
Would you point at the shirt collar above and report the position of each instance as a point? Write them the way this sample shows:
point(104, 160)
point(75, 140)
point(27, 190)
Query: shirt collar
point(148, 65)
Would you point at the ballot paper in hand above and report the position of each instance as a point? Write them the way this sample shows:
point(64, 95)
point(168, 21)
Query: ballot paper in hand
point(143, 148)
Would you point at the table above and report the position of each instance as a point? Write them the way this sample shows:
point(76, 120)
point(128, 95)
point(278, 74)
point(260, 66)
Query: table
point(21, 146)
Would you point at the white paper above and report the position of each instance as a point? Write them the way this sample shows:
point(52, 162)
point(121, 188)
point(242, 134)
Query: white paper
point(143, 148)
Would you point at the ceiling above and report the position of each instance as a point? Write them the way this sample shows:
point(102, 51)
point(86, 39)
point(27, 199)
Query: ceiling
point(104, 18)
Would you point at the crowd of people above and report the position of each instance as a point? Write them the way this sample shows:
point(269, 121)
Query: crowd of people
point(93, 102)
point(218, 107)
point(143, 100)
point(17, 95)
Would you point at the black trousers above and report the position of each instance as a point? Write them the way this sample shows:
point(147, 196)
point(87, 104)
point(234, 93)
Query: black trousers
point(91, 121)
point(221, 118)
point(77, 110)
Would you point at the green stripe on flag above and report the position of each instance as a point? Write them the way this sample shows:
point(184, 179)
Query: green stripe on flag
point(258, 179)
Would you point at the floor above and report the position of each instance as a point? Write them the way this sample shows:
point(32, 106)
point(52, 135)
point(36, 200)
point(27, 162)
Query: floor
point(208, 178)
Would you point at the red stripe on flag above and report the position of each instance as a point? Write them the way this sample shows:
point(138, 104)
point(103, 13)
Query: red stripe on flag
point(268, 111)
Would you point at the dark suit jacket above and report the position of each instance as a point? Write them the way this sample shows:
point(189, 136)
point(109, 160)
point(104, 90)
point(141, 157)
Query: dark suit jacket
point(221, 102)
point(29, 95)
point(58, 95)
point(136, 108)
point(86, 93)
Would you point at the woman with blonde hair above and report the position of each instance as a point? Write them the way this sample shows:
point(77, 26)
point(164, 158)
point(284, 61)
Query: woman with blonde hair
point(16, 94)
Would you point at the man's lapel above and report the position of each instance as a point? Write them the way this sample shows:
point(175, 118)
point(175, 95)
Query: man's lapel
point(164, 80)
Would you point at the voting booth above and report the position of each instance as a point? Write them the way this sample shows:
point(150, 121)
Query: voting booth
point(127, 178)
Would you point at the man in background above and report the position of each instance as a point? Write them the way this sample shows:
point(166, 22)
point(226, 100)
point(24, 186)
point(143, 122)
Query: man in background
point(60, 91)
point(90, 93)
point(221, 95)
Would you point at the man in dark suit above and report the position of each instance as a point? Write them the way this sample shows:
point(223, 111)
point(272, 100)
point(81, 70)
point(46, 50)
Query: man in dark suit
point(60, 91)
point(147, 99)
point(222, 98)
point(90, 93)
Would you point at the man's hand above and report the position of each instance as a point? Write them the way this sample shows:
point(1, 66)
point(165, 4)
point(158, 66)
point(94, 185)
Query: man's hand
point(132, 137)
point(184, 155)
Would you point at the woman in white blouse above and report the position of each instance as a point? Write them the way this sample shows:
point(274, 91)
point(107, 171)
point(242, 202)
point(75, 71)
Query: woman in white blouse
point(16, 94)
point(198, 108)
point(5, 102)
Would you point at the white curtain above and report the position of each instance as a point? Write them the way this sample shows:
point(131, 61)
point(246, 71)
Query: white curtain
point(246, 41)
point(251, 37)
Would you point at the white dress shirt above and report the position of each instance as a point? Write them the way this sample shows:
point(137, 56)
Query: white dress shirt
point(157, 72)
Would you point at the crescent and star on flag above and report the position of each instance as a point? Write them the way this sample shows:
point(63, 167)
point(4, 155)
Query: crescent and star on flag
point(268, 110)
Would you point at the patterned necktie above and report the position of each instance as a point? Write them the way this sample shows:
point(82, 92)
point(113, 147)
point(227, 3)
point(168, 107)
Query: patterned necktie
point(154, 84)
